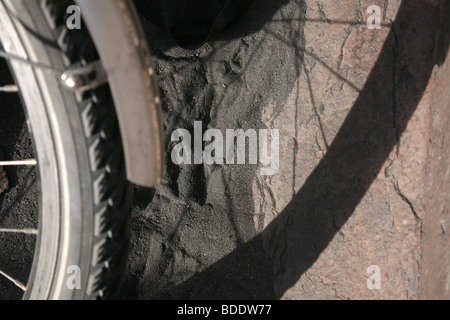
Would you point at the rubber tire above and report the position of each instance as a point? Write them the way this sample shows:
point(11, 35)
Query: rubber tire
point(85, 200)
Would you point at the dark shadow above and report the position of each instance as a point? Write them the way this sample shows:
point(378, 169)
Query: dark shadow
point(15, 142)
point(188, 23)
point(18, 204)
point(295, 239)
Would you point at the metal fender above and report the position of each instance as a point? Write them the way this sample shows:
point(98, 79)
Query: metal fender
point(122, 47)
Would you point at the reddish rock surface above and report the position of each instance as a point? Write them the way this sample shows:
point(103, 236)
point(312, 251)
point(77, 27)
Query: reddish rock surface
point(386, 203)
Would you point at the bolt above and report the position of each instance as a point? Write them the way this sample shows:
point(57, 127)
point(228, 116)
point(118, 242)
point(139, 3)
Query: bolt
point(71, 81)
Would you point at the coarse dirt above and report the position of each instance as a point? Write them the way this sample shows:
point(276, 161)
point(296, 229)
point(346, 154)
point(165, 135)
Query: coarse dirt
point(201, 213)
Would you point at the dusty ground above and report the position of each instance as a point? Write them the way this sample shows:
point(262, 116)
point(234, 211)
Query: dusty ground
point(362, 117)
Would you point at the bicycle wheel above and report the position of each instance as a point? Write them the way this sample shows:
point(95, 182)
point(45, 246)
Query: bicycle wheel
point(84, 198)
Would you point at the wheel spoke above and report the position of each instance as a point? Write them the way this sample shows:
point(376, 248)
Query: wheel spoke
point(24, 231)
point(29, 162)
point(16, 282)
point(38, 65)
point(9, 88)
